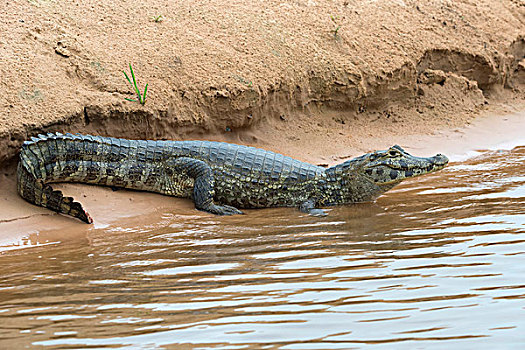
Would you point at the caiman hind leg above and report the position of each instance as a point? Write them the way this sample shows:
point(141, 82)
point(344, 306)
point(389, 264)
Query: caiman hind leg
point(203, 190)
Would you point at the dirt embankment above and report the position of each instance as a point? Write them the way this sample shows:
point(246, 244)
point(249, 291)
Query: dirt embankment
point(242, 70)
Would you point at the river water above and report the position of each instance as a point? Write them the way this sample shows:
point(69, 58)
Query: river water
point(437, 262)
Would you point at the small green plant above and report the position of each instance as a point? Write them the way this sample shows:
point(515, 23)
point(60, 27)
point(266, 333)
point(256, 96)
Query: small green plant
point(141, 98)
point(336, 28)
point(158, 19)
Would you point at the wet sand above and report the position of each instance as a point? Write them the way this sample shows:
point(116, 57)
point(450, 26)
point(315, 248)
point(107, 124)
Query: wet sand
point(24, 225)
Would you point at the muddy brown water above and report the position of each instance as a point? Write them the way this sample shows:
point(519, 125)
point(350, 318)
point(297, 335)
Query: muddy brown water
point(437, 262)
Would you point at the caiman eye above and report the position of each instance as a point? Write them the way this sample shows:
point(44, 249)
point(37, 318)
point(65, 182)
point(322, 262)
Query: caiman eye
point(393, 153)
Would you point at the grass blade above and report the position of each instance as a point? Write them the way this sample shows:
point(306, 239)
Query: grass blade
point(133, 76)
point(144, 96)
point(141, 98)
point(127, 77)
point(135, 82)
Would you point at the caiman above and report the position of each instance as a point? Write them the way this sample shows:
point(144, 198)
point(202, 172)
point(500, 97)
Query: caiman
point(220, 177)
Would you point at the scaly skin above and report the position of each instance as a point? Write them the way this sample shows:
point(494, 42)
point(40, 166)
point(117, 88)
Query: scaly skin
point(220, 177)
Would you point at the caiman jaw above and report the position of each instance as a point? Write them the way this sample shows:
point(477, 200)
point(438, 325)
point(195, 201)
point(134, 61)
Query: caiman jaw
point(395, 165)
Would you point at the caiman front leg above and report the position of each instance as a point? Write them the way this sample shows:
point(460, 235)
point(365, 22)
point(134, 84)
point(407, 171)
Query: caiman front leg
point(203, 191)
point(309, 208)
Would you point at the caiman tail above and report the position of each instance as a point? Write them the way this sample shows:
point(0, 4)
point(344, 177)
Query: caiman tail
point(32, 187)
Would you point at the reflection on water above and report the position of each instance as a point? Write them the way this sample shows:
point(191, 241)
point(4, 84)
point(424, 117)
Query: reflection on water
point(438, 261)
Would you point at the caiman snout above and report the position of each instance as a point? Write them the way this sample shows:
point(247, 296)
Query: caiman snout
point(440, 160)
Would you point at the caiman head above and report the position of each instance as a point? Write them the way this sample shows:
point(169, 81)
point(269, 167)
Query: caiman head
point(392, 166)
point(366, 177)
